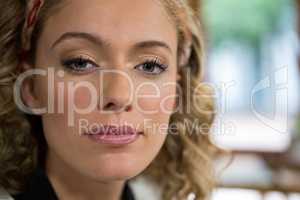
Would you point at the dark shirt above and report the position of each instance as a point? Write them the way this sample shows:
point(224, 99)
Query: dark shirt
point(40, 188)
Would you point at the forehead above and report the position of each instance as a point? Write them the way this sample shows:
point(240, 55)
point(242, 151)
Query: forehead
point(118, 20)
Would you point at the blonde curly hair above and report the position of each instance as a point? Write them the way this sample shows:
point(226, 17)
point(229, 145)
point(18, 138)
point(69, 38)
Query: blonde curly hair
point(186, 158)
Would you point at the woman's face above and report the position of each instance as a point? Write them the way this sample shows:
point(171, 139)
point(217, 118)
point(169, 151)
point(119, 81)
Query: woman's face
point(81, 41)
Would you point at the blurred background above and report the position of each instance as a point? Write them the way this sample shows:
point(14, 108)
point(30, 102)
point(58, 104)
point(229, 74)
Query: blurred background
point(252, 63)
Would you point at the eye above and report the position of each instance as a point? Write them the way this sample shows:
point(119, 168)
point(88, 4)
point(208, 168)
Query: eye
point(152, 67)
point(79, 64)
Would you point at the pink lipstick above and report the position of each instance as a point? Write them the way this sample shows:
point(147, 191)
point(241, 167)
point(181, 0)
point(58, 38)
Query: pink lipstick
point(118, 135)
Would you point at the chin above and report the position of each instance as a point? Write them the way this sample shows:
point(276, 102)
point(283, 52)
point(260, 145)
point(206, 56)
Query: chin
point(116, 169)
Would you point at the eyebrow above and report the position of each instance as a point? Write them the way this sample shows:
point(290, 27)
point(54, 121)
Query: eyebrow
point(101, 42)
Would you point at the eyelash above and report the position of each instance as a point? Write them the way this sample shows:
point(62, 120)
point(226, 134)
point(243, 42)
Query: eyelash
point(70, 64)
point(154, 62)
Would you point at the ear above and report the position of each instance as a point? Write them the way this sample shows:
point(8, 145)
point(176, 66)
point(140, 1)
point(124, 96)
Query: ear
point(30, 99)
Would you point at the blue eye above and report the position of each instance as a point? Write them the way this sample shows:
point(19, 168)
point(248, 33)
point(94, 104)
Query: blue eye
point(79, 64)
point(152, 67)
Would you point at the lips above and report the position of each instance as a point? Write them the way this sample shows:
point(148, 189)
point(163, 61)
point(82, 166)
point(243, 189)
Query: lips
point(119, 135)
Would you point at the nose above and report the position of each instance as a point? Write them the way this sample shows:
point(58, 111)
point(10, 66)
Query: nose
point(116, 104)
point(116, 92)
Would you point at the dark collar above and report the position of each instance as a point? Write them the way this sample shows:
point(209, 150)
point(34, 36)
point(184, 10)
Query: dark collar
point(39, 187)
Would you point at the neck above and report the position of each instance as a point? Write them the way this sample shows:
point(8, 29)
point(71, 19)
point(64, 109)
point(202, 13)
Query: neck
point(71, 185)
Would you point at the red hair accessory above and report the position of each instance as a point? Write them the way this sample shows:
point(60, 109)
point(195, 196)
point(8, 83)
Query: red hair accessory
point(33, 8)
point(32, 14)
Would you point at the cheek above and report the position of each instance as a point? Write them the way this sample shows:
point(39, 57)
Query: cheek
point(156, 111)
point(158, 100)
point(56, 123)
point(81, 96)
point(67, 101)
